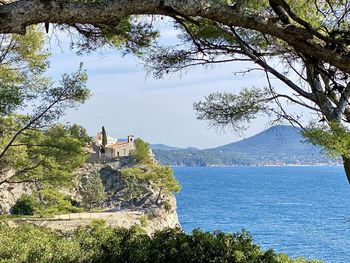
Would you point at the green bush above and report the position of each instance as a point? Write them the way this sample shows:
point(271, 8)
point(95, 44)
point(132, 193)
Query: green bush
point(143, 221)
point(52, 202)
point(26, 205)
point(99, 243)
point(167, 206)
point(142, 152)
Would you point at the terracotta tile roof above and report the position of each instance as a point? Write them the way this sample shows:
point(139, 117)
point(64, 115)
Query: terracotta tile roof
point(116, 145)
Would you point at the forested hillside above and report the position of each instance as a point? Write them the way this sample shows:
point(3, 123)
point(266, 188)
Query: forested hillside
point(278, 145)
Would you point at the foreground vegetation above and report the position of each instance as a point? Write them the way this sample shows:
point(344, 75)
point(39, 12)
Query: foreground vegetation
point(99, 243)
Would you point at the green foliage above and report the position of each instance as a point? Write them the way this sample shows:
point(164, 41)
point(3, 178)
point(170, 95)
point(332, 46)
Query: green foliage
point(129, 34)
point(39, 150)
point(44, 202)
point(228, 109)
point(26, 205)
point(143, 220)
point(92, 191)
point(32, 144)
point(141, 152)
point(51, 202)
point(23, 60)
point(51, 154)
point(167, 206)
point(28, 243)
point(80, 133)
point(133, 182)
point(99, 243)
point(159, 177)
point(335, 139)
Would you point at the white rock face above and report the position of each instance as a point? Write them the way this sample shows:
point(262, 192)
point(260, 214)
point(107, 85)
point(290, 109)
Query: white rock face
point(120, 209)
point(10, 193)
point(151, 222)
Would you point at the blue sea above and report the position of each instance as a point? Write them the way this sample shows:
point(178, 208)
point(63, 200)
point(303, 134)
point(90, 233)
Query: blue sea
point(302, 211)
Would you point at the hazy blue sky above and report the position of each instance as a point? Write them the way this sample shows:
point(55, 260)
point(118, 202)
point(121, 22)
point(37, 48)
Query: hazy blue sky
point(126, 101)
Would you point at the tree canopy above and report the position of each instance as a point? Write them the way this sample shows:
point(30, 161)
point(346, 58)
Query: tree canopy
point(304, 44)
point(159, 177)
point(32, 143)
point(92, 191)
point(141, 153)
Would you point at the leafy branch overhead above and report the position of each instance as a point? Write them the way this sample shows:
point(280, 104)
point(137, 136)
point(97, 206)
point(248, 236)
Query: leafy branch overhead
point(314, 26)
point(228, 109)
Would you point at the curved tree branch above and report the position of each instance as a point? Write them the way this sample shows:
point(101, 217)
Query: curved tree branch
point(15, 17)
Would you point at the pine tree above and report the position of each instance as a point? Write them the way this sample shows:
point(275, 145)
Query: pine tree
point(142, 151)
point(93, 191)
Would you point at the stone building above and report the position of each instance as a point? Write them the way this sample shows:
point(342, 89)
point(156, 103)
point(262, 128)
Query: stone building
point(113, 149)
point(120, 149)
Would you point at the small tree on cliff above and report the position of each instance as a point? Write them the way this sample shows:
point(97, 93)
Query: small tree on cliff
point(142, 151)
point(162, 177)
point(159, 177)
point(93, 191)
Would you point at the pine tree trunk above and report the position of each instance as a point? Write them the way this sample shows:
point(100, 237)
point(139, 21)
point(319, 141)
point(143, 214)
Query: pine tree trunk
point(158, 197)
point(346, 164)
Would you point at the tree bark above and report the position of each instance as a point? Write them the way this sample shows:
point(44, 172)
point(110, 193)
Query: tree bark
point(158, 197)
point(346, 164)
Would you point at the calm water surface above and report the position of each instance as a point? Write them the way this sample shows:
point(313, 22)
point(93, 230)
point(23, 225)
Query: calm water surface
point(297, 210)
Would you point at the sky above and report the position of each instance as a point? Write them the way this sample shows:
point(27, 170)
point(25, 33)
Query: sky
point(127, 100)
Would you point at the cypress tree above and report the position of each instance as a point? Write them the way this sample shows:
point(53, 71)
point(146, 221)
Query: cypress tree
point(104, 137)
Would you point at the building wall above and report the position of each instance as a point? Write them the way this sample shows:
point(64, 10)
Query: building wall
point(121, 151)
point(110, 152)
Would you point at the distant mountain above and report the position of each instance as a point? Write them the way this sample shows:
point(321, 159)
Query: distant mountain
point(285, 137)
point(192, 149)
point(279, 145)
point(163, 147)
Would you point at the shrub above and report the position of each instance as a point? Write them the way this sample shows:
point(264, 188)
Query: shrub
point(143, 220)
point(52, 202)
point(26, 205)
point(167, 206)
point(99, 243)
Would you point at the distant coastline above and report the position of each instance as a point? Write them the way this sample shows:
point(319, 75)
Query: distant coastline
point(280, 145)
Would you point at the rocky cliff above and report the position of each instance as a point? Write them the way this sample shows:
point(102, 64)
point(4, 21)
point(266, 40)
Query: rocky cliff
point(120, 208)
point(10, 193)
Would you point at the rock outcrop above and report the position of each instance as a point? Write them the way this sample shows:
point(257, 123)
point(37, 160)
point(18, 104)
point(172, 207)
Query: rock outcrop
point(120, 208)
point(10, 193)
point(150, 221)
